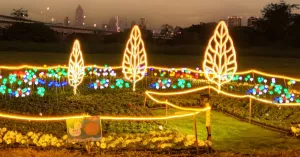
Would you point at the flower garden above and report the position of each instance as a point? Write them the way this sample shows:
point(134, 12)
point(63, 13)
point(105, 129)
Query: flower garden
point(36, 101)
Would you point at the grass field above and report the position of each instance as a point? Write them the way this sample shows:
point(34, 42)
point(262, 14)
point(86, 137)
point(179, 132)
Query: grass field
point(25, 152)
point(229, 134)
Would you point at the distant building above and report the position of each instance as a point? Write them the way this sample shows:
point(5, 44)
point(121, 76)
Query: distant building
point(234, 21)
point(79, 17)
point(113, 24)
point(66, 21)
point(122, 23)
point(252, 21)
point(133, 23)
point(143, 23)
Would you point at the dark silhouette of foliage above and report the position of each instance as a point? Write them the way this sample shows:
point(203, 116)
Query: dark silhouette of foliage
point(292, 37)
point(36, 32)
point(19, 13)
point(276, 19)
point(166, 30)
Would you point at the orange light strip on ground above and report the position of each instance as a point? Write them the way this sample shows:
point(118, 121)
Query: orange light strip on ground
point(147, 118)
point(178, 107)
point(220, 91)
point(35, 118)
point(268, 74)
point(52, 67)
point(155, 67)
point(178, 69)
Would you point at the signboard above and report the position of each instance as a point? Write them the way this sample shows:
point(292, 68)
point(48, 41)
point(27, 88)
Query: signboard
point(84, 129)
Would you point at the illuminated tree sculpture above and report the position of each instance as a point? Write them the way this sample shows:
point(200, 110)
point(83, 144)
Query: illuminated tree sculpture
point(76, 66)
point(220, 57)
point(135, 57)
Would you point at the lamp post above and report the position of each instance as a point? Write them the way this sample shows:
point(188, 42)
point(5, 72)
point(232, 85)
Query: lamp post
point(45, 12)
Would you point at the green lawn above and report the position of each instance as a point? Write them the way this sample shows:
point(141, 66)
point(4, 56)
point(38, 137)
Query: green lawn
point(229, 134)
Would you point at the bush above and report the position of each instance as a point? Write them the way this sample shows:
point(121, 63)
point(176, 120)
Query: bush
point(35, 32)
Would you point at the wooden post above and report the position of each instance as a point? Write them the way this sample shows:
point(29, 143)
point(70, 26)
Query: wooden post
point(101, 128)
point(166, 110)
point(250, 109)
point(145, 100)
point(195, 129)
point(208, 124)
point(88, 147)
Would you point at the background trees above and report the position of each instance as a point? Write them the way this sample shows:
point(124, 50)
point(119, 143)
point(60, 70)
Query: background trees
point(20, 13)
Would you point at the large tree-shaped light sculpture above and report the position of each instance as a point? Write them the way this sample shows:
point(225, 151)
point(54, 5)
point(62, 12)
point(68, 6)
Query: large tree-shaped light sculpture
point(135, 58)
point(76, 67)
point(220, 57)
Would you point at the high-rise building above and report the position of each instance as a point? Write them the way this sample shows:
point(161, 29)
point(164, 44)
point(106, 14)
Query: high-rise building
point(123, 23)
point(113, 24)
point(66, 21)
point(79, 17)
point(234, 21)
point(117, 23)
point(143, 23)
point(252, 21)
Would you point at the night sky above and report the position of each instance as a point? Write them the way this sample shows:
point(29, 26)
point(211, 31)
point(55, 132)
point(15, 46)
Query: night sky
point(157, 12)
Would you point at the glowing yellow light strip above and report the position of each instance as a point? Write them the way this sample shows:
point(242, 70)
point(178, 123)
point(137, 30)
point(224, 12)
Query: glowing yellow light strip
point(268, 74)
point(155, 67)
point(35, 118)
point(222, 92)
point(178, 107)
point(178, 69)
point(148, 118)
point(51, 67)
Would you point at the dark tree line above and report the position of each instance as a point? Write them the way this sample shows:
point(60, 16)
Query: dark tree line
point(279, 25)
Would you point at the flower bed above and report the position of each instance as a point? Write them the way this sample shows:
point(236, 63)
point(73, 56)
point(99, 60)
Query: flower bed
point(111, 141)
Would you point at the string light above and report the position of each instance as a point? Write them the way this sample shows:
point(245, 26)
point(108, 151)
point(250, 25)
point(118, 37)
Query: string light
point(149, 93)
point(134, 64)
point(61, 118)
point(254, 71)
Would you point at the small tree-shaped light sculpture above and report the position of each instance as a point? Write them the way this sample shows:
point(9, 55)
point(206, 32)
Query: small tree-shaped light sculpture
point(134, 64)
point(76, 67)
point(220, 57)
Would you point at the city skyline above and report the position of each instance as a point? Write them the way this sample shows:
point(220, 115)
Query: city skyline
point(176, 13)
